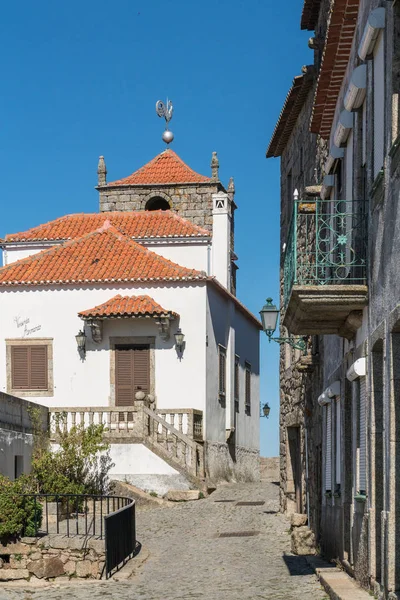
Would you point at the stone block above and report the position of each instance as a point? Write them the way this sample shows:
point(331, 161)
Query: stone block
point(84, 568)
point(46, 568)
point(18, 563)
point(303, 541)
point(182, 495)
point(53, 567)
point(35, 556)
point(15, 548)
point(298, 520)
point(13, 574)
point(70, 567)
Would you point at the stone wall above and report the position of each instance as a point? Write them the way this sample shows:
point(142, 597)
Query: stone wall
point(301, 376)
point(52, 557)
point(192, 202)
point(225, 463)
point(269, 468)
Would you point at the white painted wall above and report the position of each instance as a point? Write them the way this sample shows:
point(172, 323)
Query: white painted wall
point(193, 255)
point(221, 325)
point(179, 383)
point(14, 253)
point(190, 253)
point(136, 459)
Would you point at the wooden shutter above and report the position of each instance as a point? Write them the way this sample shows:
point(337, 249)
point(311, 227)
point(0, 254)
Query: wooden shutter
point(328, 449)
point(20, 367)
point(132, 373)
point(248, 387)
point(38, 368)
point(236, 391)
point(141, 369)
point(221, 371)
point(379, 103)
point(29, 367)
point(338, 440)
point(124, 395)
point(362, 478)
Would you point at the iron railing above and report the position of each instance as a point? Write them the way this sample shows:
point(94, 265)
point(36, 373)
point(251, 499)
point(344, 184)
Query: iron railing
point(108, 518)
point(326, 244)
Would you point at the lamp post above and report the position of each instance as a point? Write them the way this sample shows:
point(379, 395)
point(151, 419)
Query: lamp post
point(269, 317)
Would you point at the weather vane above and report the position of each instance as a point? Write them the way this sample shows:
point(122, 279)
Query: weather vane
point(165, 110)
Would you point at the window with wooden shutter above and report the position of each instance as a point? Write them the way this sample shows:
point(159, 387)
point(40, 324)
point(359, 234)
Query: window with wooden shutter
point(338, 441)
point(362, 477)
point(29, 367)
point(237, 396)
point(221, 373)
point(247, 367)
point(132, 372)
point(379, 103)
point(328, 449)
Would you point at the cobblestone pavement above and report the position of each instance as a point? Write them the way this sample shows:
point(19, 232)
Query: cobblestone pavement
point(187, 561)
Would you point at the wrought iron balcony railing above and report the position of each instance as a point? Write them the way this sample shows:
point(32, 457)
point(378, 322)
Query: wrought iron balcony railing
point(326, 244)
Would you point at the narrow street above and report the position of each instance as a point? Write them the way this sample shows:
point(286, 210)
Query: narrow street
point(188, 560)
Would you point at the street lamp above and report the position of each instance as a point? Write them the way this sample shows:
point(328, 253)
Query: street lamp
point(81, 342)
point(179, 339)
point(269, 317)
point(265, 410)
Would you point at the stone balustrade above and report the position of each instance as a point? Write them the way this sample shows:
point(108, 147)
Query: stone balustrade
point(126, 421)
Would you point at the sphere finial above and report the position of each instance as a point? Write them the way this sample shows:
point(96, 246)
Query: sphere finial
point(165, 110)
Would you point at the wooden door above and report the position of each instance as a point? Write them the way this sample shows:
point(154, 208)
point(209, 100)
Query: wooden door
point(132, 372)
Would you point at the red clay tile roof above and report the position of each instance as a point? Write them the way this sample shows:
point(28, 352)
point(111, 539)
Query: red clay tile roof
point(104, 255)
point(290, 112)
point(138, 225)
point(167, 167)
point(335, 59)
point(309, 16)
point(127, 306)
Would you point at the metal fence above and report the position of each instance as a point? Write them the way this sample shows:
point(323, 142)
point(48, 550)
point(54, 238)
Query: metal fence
point(326, 244)
point(108, 518)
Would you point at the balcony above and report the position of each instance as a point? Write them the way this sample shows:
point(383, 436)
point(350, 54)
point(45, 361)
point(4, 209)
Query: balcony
point(324, 286)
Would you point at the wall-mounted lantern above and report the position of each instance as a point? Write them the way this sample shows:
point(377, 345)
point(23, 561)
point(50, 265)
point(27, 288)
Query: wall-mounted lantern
point(265, 410)
point(179, 340)
point(81, 342)
point(269, 317)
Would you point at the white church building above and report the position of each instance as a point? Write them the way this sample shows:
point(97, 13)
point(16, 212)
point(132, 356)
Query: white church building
point(129, 317)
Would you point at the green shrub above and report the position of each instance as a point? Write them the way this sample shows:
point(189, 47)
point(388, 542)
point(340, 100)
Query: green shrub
point(79, 466)
point(18, 513)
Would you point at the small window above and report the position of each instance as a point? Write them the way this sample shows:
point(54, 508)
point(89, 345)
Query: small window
point(18, 465)
point(222, 373)
point(29, 367)
point(237, 394)
point(247, 367)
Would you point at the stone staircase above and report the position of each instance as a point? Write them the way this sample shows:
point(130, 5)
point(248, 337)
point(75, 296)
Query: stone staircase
point(174, 435)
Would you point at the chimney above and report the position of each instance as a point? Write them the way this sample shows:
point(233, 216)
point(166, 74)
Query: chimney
point(221, 239)
point(101, 172)
point(214, 167)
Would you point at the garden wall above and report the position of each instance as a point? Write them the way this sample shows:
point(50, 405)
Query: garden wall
point(52, 557)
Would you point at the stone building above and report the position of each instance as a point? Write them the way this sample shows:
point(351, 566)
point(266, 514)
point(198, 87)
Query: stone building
point(338, 139)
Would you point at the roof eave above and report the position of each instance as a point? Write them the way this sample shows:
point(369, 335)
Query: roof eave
point(291, 109)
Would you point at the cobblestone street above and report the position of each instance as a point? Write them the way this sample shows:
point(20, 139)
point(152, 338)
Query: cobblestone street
point(187, 560)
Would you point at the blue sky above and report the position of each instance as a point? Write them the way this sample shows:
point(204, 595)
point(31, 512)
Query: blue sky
point(81, 79)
